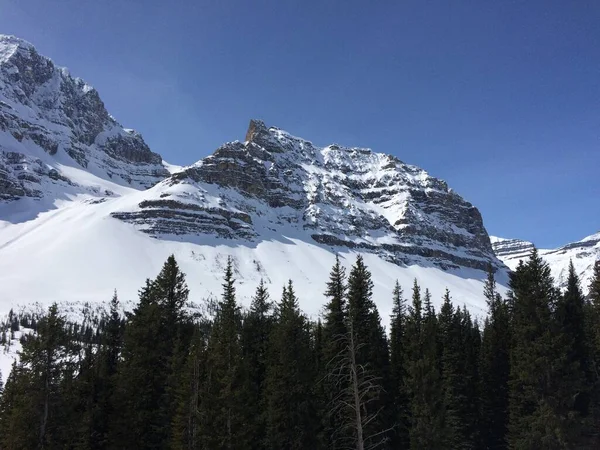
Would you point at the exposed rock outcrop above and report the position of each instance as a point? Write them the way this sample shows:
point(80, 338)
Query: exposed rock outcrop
point(583, 254)
point(51, 118)
point(274, 182)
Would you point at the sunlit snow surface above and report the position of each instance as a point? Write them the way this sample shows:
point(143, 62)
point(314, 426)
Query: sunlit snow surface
point(60, 243)
point(78, 253)
point(583, 254)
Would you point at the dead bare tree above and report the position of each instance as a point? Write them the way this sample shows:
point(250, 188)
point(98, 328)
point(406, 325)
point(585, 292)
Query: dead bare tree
point(357, 389)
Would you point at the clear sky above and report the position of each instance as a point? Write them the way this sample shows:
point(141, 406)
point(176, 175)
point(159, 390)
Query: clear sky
point(499, 98)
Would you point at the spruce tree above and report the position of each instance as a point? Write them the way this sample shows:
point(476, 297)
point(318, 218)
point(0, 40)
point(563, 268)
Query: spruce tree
point(398, 363)
point(543, 381)
point(471, 381)
point(145, 395)
point(103, 376)
point(256, 330)
point(372, 350)
point(335, 334)
point(593, 327)
point(191, 393)
point(291, 421)
point(15, 411)
point(226, 410)
point(452, 352)
point(424, 381)
point(36, 408)
point(570, 313)
point(594, 319)
point(494, 369)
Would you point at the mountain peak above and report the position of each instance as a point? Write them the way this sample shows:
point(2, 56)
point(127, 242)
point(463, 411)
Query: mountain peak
point(55, 129)
point(334, 196)
point(9, 45)
point(256, 129)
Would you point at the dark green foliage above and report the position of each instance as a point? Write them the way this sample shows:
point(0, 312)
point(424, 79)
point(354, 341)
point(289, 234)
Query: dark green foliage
point(96, 380)
point(494, 369)
point(424, 379)
point(269, 379)
point(543, 380)
point(593, 338)
point(398, 365)
point(255, 342)
point(470, 383)
point(570, 315)
point(190, 395)
point(452, 358)
point(334, 332)
point(290, 407)
point(36, 406)
point(225, 408)
point(372, 350)
point(15, 407)
point(144, 394)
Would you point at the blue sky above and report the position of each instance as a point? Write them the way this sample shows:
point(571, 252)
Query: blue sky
point(500, 99)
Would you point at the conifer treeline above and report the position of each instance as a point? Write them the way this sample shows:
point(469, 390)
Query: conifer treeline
point(270, 378)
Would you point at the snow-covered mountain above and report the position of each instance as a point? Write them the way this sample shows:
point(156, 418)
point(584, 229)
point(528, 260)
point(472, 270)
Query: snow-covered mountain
point(86, 207)
point(583, 253)
point(351, 198)
point(53, 127)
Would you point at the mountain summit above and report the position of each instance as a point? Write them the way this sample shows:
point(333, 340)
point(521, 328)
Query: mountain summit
point(50, 122)
point(340, 197)
point(86, 206)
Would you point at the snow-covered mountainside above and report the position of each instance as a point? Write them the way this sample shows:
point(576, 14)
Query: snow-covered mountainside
point(511, 249)
point(53, 127)
point(583, 253)
point(86, 207)
point(350, 198)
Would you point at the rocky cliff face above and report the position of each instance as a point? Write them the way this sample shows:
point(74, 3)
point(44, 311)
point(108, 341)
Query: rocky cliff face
point(510, 249)
point(49, 119)
point(583, 254)
point(276, 184)
point(56, 136)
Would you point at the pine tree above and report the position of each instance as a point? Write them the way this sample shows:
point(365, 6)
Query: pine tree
point(15, 411)
point(372, 350)
point(595, 284)
point(543, 382)
point(335, 335)
point(226, 409)
point(593, 333)
point(471, 381)
point(144, 392)
point(190, 394)
point(424, 382)
point(494, 369)
point(321, 394)
point(291, 421)
point(256, 330)
point(570, 313)
point(398, 363)
point(35, 407)
point(452, 361)
point(102, 370)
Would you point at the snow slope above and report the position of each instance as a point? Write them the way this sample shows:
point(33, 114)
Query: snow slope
point(53, 127)
point(583, 253)
point(87, 207)
point(79, 253)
